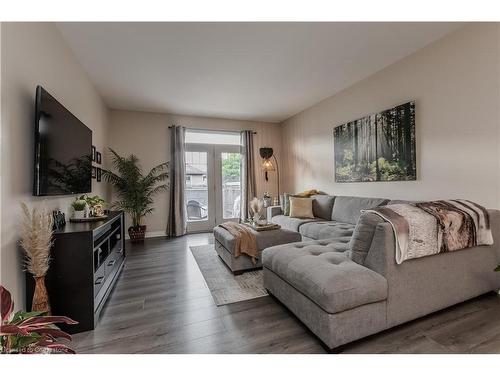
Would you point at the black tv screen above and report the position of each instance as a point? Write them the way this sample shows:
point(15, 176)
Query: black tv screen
point(63, 149)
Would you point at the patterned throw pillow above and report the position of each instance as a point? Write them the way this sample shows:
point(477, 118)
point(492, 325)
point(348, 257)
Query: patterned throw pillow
point(286, 204)
point(282, 202)
point(301, 208)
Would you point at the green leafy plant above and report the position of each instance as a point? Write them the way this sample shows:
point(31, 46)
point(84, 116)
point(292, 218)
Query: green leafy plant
point(92, 201)
point(135, 189)
point(30, 332)
point(79, 204)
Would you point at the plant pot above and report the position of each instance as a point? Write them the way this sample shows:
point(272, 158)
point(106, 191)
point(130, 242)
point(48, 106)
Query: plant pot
point(40, 296)
point(79, 215)
point(137, 234)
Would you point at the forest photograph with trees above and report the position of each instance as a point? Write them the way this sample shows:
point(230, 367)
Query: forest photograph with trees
point(379, 147)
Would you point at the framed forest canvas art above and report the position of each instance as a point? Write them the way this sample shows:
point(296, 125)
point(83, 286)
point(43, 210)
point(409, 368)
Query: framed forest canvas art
point(379, 147)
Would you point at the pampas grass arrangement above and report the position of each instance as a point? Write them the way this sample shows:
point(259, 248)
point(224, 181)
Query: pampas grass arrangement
point(36, 241)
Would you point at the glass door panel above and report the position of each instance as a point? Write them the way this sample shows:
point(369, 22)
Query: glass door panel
point(196, 186)
point(231, 184)
point(198, 194)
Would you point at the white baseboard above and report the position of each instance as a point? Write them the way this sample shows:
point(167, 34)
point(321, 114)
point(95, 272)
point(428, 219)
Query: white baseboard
point(159, 233)
point(150, 234)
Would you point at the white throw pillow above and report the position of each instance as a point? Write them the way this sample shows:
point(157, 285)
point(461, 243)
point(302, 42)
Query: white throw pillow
point(301, 208)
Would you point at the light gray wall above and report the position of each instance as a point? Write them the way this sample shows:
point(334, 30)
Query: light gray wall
point(455, 84)
point(35, 54)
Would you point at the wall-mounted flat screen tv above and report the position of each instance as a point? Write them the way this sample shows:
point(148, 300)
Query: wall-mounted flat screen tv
point(63, 147)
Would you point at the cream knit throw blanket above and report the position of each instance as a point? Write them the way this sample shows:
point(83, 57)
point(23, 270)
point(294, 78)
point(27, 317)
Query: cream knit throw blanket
point(427, 228)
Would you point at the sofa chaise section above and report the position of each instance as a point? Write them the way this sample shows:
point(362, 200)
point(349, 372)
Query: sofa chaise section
point(338, 299)
point(329, 278)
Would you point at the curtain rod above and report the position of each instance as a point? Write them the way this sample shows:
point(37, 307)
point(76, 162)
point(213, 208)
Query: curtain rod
point(213, 130)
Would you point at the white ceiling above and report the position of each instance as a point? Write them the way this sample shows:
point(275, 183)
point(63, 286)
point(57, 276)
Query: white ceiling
point(249, 71)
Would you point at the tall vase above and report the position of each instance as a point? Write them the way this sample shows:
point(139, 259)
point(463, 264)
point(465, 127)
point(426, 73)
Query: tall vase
point(40, 296)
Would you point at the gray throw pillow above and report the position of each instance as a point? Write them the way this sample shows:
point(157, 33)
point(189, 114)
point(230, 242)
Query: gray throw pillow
point(362, 237)
point(323, 206)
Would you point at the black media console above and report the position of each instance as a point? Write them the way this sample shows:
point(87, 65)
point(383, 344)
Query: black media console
point(86, 260)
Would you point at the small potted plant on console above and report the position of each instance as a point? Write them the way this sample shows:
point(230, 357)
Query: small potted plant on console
point(95, 205)
point(79, 206)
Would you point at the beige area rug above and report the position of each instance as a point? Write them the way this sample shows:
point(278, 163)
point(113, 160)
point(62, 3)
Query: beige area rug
point(224, 286)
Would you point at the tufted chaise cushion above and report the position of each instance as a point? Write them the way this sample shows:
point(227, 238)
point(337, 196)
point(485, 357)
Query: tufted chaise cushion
point(326, 229)
point(321, 271)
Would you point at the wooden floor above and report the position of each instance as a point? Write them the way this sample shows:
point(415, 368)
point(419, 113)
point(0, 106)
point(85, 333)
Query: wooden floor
point(162, 305)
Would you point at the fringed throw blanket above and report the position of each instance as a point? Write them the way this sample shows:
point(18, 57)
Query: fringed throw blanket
point(244, 240)
point(428, 228)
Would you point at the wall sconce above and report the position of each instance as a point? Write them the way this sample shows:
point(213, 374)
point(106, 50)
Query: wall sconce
point(267, 166)
point(266, 153)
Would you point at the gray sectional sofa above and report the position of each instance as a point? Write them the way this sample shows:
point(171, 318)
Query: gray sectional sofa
point(342, 280)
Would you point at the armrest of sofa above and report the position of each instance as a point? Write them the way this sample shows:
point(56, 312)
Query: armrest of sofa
point(273, 211)
point(381, 255)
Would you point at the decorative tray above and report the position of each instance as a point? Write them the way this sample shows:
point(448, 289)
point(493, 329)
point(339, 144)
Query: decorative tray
point(86, 219)
point(262, 227)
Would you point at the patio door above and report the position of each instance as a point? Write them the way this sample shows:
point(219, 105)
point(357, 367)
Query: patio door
point(227, 183)
point(199, 188)
point(213, 185)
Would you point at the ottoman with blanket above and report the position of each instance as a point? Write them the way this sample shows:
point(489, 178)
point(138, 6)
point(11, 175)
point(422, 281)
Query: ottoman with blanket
point(225, 247)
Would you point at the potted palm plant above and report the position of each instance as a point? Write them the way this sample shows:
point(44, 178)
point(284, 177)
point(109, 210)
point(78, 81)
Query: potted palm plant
point(135, 189)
